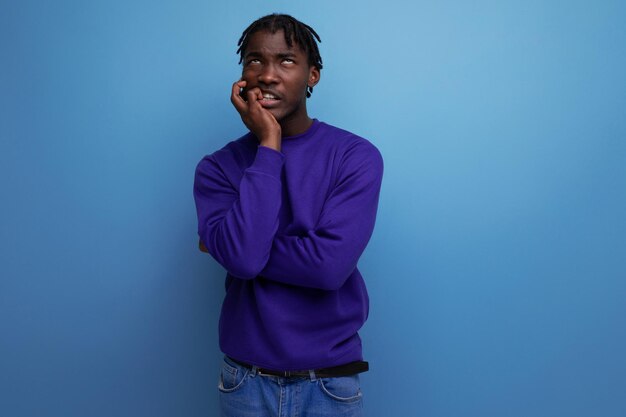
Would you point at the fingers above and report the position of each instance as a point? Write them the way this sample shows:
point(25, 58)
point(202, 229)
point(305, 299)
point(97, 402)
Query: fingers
point(252, 96)
point(236, 98)
point(254, 107)
point(258, 119)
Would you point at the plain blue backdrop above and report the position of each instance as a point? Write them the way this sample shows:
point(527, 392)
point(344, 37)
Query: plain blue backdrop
point(497, 270)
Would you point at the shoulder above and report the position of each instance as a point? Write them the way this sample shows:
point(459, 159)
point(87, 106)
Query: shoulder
point(352, 148)
point(236, 153)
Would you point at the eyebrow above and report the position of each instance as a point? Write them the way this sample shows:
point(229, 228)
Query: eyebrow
point(256, 54)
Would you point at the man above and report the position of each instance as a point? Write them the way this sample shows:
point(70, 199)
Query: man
point(287, 210)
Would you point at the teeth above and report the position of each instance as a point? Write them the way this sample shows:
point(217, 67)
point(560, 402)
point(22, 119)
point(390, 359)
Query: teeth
point(269, 96)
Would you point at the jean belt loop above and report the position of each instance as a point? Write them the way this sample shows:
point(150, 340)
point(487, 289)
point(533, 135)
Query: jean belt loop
point(312, 375)
point(254, 371)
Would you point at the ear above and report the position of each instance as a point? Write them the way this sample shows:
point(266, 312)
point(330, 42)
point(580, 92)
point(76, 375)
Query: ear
point(314, 76)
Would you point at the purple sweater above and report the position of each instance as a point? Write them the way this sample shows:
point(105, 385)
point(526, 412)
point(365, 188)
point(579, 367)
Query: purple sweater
point(289, 228)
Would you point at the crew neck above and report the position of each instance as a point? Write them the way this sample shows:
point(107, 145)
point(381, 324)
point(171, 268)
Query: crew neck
point(311, 129)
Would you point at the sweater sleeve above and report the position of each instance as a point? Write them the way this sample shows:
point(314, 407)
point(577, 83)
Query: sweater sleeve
point(326, 256)
point(238, 226)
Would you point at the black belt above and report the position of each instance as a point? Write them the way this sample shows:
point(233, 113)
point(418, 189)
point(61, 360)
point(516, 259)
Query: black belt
point(335, 371)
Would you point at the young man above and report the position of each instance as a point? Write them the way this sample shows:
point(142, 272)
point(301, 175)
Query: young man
point(287, 210)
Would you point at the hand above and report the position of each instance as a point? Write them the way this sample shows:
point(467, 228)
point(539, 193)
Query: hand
point(259, 120)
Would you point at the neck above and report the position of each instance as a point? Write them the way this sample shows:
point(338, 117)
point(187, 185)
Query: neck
point(295, 126)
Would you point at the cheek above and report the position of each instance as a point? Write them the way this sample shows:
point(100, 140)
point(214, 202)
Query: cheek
point(247, 75)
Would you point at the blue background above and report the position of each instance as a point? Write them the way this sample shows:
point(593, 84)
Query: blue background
point(497, 268)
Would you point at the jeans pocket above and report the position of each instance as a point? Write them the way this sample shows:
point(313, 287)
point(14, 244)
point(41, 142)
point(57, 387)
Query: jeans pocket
point(342, 388)
point(232, 376)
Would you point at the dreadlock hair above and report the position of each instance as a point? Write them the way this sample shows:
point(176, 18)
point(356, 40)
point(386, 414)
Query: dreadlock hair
point(294, 30)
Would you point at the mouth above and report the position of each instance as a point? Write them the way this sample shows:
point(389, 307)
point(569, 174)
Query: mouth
point(269, 100)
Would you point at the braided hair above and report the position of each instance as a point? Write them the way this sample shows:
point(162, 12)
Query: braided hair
point(294, 30)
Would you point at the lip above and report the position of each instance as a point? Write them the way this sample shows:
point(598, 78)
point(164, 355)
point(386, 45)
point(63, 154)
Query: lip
point(269, 103)
point(271, 92)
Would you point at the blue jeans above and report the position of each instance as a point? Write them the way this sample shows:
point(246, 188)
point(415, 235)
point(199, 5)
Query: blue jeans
point(245, 393)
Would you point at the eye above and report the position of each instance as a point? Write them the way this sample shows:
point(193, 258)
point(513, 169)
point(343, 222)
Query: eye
point(252, 61)
point(288, 61)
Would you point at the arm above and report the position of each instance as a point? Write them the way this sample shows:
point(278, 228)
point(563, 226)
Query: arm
point(237, 226)
point(325, 257)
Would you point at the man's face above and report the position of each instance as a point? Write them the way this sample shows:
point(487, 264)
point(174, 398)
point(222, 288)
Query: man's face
point(281, 72)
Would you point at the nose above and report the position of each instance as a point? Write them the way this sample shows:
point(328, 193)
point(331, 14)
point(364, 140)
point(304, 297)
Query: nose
point(268, 75)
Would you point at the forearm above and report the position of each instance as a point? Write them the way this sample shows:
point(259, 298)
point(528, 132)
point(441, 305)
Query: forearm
point(327, 254)
point(237, 227)
point(314, 261)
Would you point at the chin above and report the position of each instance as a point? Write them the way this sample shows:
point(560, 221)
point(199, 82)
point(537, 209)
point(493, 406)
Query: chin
point(282, 115)
point(278, 115)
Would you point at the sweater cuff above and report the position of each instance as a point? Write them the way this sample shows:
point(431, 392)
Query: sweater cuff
point(268, 161)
